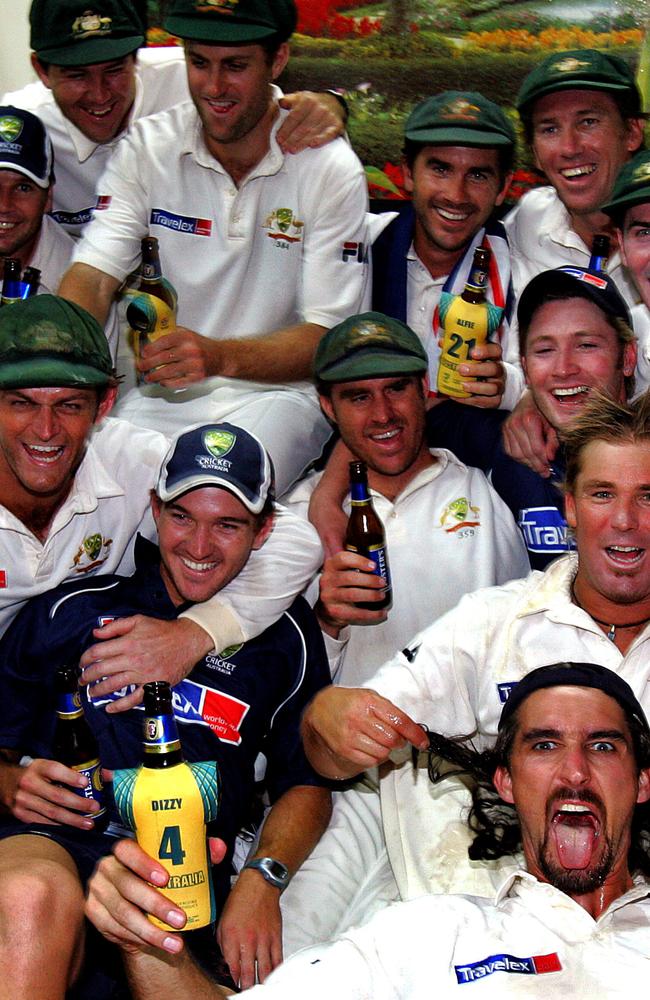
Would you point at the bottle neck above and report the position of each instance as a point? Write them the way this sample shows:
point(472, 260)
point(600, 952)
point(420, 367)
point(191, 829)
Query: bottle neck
point(68, 705)
point(161, 745)
point(359, 492)
point(151, 270)
point(477, 281)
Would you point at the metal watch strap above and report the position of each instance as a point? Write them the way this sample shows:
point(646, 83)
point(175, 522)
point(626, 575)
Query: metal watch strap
point(272, 870)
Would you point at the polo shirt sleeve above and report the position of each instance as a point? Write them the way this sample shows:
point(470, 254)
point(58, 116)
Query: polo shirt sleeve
point(111, 241)
point(30, 651)
point(435, 679)
point(335, 275)
point(287, 763)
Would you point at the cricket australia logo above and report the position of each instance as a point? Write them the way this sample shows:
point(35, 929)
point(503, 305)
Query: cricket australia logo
point(460, 517)
point(92, 552)
point(569, 65)
point(461, 108)
point(216, 6)
point(219, 443)
point(283, 227)
point(90, 24)
point(10, 128)
point(640, 176)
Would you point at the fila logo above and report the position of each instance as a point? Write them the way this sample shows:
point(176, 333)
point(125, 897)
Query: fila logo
point(355, 252)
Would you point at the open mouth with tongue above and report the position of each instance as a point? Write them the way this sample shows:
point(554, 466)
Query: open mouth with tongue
point(575, 830)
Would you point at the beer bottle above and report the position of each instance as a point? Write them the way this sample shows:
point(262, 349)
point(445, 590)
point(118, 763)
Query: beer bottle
point(467, 321)
point(365, 533)
point(151, 312)
point(31, 281)
point(168, 803)
point(74, 744)
point(11, 284)
point(599, 253)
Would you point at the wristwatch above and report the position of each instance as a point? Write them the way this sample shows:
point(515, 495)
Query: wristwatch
point(273, 871)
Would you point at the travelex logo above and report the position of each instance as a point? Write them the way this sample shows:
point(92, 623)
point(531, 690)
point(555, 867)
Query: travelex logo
point(181, 223)
point(73, 218)
point(505, 690)
point(537, 965)
point(544, 530)
point(194, 703)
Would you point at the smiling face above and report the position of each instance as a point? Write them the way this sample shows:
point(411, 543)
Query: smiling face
point(609, 509)
point(230, 86)
point(43, 436)
point(454, 191)
point(205, 539)
point(97, 99)
point(635, 247)
point(581, 141)
point(381, 420)
point(571, 349)
point(22, 204)
point(574, 780)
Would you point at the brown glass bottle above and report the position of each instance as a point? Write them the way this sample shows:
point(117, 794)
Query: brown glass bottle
point(168, 803)
point(11, 284)
point(466, 324)
point(31, 281)
point(151, 312)
point(160, 743)
point(599, 253)
point(148, 277)
point(365, 533)
point(74, 743)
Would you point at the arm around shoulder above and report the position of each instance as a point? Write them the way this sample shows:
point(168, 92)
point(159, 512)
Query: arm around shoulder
point(91, 288)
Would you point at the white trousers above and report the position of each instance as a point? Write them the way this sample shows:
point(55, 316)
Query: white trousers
point(289, 423)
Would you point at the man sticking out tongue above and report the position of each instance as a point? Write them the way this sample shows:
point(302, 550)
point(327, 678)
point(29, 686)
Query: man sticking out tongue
point(572, 756)
point(568, 738)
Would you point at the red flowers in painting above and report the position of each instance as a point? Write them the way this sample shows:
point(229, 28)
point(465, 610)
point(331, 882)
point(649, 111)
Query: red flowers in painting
point(321, 17)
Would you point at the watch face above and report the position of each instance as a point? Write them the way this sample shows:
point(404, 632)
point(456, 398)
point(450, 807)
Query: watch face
point(273, 871)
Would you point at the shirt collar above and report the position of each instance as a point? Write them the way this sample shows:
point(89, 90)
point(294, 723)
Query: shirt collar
point(193, 143)
point(85, 147)
point(521, 883)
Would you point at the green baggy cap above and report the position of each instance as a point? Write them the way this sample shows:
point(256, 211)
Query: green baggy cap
point(579, 69)
point(632, 186)
point(80, 32)
point(46, 341)
point(369, 345)
point(232, 22)
point(459, 118)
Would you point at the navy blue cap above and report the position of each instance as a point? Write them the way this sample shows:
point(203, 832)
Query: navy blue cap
point(596, 286)
point(218, 455)
point(590, 675)
point(25, 145)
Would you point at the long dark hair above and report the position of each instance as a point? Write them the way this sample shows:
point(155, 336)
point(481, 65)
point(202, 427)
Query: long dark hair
point(494, 822)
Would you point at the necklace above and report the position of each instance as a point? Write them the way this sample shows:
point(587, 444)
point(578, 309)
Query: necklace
point(611, 627)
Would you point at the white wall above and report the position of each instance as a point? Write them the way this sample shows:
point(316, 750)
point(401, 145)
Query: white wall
point(15, 69)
